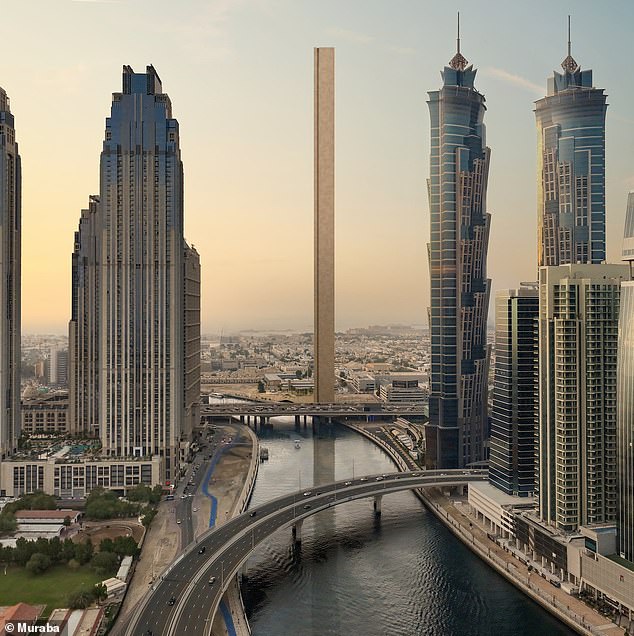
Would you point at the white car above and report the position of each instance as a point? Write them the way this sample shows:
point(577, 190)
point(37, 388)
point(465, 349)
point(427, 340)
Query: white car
point(178, 521)
point(194, 509)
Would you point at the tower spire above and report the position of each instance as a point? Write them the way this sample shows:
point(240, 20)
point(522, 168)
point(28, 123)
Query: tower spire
point(458, 62)
point(458, 38)
point(569, 65)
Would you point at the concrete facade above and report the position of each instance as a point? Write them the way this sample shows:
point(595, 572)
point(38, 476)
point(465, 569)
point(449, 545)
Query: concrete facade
point(578, 327)
point(76, 479)
point(324, 339)
point(135, 328)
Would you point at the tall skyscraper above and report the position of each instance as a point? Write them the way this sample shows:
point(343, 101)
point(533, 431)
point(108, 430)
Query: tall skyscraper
point(324, 339)
point(625, 395)
point(133, 292)
point(83, 332)
point(10, 272)
point(457, 427)
point(578, 316)
point(571, 168)
point(514, 412)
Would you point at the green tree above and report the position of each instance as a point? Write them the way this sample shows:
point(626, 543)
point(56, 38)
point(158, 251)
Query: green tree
point(157, 494)
point(55, 550)
point(67, 521)
point(8, 523)
point(260, 387)
point(81, 599)
point(83, 552)
point(34, 501)
point(23, 551)
point(147, 516)
point(68, 550)
point(104, 562)
point(100, 592)
point(125, 546)
point(140, 492)
point(38, 563)
point(107, 545)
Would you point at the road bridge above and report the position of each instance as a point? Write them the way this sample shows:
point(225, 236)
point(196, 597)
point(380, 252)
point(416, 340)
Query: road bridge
point(276, 409)
point(186, 598)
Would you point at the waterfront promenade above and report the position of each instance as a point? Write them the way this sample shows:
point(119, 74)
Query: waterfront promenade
point(453, 511)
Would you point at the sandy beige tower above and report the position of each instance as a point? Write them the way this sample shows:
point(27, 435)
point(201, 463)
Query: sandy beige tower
point(324, 225)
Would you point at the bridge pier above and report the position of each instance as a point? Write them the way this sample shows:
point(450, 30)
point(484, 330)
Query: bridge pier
point(297, 422)
point(297, 531)
point(377, 505)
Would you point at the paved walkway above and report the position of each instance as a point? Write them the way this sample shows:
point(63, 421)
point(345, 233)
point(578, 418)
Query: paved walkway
point(456, 511)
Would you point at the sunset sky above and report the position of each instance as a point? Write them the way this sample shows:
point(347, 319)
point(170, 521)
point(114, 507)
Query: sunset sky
point(240, 77)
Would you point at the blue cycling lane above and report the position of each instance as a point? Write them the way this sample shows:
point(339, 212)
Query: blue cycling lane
point(226, 614)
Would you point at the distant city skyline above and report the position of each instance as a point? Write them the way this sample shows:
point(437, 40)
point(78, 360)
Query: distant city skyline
point(248, 184)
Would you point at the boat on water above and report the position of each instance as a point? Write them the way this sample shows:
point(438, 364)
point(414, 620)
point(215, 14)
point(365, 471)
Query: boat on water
point(298, 443)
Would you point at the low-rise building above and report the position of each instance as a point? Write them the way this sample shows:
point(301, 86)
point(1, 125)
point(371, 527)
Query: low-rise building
point(51, 517)
point(401, 389)
point(496, 508)
point(45, 414)
point(75, 478)
point(363, 382)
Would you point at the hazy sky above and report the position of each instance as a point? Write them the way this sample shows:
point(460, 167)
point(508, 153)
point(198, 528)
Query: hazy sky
point(240, 76)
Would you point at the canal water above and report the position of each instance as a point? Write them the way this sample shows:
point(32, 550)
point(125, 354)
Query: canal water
point(404, 574)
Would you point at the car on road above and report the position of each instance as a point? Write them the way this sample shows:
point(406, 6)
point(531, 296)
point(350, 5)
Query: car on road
point(306, 506)
point(212, 580)
point(379, 478)
point(172, 600)
point(202, 550)
point(195, 509)
point(183, 496)
point(253, 513)
point(363, 479)
point(348, 483)
point(178, 521)
point(308, 493)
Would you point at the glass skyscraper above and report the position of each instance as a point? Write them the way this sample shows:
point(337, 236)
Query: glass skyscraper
point(514, 412)
point(625, 393)
point(571, 168)
point(135, 327)
point(10, 252)
point(459, 167)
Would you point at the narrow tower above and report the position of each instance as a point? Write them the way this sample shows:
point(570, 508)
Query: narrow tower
point(324, 339)
point(10, 246)
point(571, 168)
point(457, 428)
point(625, 401)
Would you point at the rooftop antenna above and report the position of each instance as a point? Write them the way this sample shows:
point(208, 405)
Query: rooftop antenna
point(569, 65)
point(458, 62)
point(568, 34)
point(458, 38)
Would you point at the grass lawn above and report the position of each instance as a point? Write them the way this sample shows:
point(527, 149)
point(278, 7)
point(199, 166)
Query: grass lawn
point(51, 588)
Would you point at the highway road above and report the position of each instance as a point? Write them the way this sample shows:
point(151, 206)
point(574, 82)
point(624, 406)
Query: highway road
point(185, 599)
point(271, 409)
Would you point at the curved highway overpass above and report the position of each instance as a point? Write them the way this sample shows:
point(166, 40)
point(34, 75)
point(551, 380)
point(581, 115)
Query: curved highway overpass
point(185, 598)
